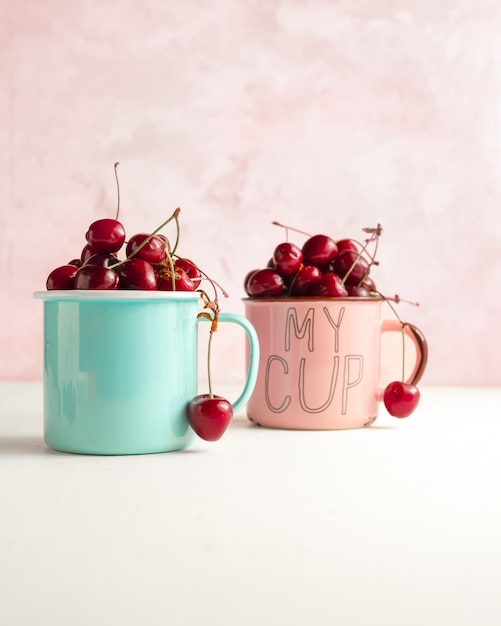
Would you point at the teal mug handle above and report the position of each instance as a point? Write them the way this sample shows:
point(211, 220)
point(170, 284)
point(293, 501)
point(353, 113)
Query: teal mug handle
point(253, 364)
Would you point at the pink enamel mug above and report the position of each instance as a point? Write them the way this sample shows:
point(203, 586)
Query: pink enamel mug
point(320, 361)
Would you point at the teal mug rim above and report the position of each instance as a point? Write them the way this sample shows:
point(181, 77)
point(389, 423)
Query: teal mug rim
point(79, 295)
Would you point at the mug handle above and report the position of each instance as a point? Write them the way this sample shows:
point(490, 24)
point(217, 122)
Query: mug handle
point(419, 341)
point(253, 363)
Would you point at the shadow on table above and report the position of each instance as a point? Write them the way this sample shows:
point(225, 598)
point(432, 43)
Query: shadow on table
point(35, 446)
point(27, 445)
point(244, 423)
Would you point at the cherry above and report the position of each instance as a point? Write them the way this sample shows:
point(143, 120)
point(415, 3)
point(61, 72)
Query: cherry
point(306, 278)
point(247, 278)
point(104, 259)
point(87, 252)
point(96, 277)
point(209, 416)
point(138, 274)
point(62, 277)
point(358, 291)
point(76, 262)
point(182, 281)
point(400, 399)
point(106, 235)
point(352, 267)
point(164, 239)
point(369, 283)
point(267, 283)
point(319, 250)
point(287, 258)
point(329, 286)
point(191, 269)
point(347, 244)
point(152, 251)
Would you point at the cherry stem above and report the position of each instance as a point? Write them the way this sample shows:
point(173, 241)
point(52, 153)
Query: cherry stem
point(396, 298)
point(118, 189)
point(171, 267)
point(293, 282)
point(357, 258)
point(375, 233)
point(403, 324)
point(178, 230)
point(213, 317)
point(287, 228)
point(175, 216)
point(403, 353)
point(215, 285)
point(209, 379)
point(374, 236)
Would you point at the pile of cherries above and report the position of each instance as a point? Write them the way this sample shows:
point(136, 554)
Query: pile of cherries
point(149, 264)
point(327, 268)
point(322, 267)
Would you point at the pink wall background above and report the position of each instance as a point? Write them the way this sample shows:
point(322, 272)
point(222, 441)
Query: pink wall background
point(327, 115)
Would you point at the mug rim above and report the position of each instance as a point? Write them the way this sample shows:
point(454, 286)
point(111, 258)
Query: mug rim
point(112, 294)
point(285, 299)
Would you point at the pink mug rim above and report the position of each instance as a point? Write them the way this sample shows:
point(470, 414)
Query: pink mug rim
point(316, 299)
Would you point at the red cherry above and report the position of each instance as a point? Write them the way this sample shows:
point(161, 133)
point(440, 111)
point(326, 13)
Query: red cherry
point(106, 235)
point(96, 277)
point(347, 244)
point(329, 286)
point(138, 274)
point(287, 258)
point(164, 239)
point(358, 291)
point(247, 278)
point(209, 416)
point(191, 269)
point(182, 282)
point(62, 277)
point(352, 262)
point(104, 259)
point(87, 252)
point(369, 284)
point(319, 250)
point(153, 251)
point(400, 399)
point(307, 277)
point(267, 283)
point(76, 262)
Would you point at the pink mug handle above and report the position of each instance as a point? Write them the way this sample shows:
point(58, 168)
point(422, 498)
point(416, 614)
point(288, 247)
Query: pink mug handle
point(419, 341)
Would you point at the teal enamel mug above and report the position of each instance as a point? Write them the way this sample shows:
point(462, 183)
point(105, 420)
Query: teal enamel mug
point(120, 368)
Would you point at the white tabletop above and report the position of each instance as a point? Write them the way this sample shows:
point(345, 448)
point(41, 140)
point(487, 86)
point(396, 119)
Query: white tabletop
point(396, 524)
